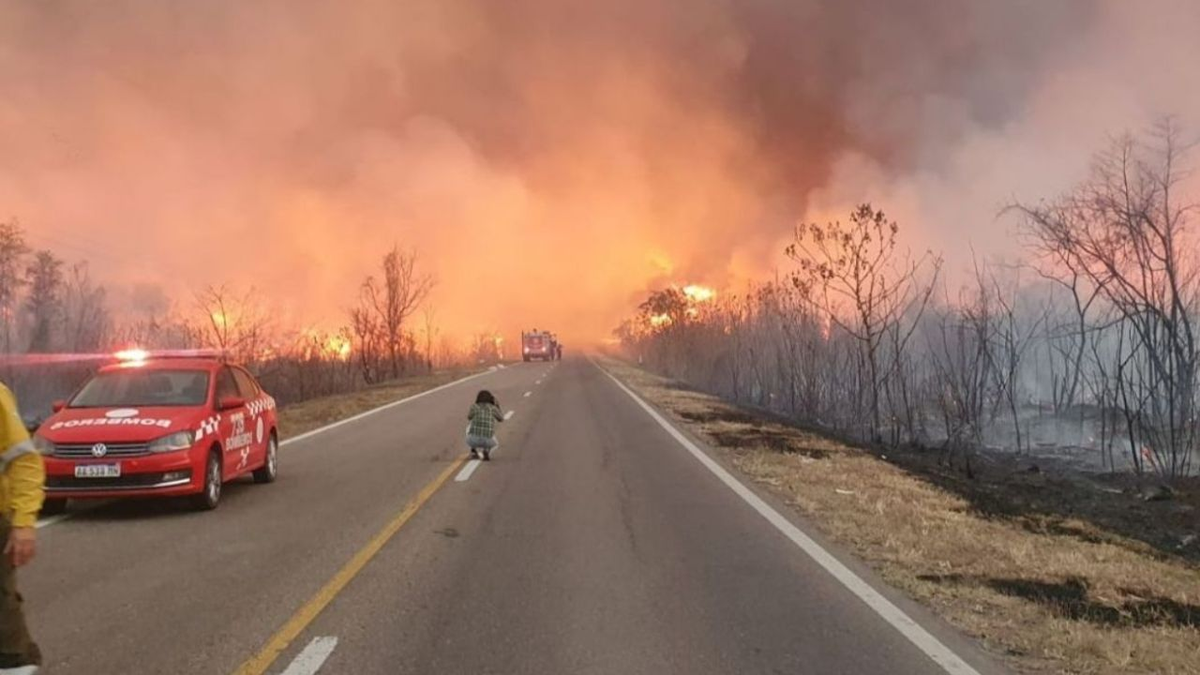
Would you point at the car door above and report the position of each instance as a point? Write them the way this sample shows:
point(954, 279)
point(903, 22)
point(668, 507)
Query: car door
point(256, 424)
point(235, 436)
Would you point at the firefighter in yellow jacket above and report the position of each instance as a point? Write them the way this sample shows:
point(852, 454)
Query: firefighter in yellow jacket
point(22, 479)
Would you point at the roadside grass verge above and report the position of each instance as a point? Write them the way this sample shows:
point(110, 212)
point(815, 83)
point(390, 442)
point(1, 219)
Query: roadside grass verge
point(1022, 561)
point(298, 418)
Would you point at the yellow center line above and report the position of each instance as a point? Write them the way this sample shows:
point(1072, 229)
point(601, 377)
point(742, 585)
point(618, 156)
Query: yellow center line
point(261, 661)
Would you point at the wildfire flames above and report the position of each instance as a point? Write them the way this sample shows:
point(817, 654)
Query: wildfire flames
point(698, 294)
point(317, 344)
point(707, 147)
point(338, 347)
point(677, 303)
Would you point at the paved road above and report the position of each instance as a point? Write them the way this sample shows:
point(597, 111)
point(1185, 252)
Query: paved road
point(593, 543)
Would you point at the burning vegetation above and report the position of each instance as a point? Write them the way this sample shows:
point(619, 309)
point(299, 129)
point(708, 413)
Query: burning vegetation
point(671, 307)
point(56, 325)
point(1088, 353)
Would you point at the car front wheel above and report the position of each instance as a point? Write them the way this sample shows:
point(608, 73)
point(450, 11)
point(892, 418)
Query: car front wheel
point(210, 496)
point(270, 468)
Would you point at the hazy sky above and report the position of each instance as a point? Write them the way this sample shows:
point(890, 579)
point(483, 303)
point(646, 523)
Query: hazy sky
point(550, 159)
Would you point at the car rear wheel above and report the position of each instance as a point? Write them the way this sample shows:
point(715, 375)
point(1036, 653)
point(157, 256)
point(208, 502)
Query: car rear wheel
point(208, 498)
point(54, 507)
point(270, 468)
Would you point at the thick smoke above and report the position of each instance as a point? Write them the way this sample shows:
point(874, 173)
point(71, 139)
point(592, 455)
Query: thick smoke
point(550, 159)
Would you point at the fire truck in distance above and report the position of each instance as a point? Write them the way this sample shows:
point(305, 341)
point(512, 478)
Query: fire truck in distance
point(540, 345)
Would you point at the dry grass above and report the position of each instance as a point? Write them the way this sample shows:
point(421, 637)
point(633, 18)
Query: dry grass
point(1052, 585)
point(298, 418)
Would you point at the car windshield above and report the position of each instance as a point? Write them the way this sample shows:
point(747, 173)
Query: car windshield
point(144, 388)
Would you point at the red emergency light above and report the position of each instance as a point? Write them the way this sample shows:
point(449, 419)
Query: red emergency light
point(133, 355)
point(141, 355)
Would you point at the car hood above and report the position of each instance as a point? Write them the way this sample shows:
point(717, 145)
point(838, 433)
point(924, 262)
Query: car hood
point(118, 425)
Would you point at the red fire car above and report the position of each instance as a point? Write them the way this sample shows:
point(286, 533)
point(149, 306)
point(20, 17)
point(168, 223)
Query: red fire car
point(537, 345)
point(154, 426)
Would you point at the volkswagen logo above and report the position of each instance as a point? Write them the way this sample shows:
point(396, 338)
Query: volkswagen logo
point(99, 450)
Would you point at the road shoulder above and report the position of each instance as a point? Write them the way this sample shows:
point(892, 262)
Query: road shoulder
point(979, 573)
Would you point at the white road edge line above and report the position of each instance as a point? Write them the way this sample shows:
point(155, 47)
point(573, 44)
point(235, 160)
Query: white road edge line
point(79, 510)
point(50, 520)
point(921, 638)
point(313, 657)
point(465, 475)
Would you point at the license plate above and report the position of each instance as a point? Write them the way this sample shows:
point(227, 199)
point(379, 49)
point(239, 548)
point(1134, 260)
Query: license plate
point(98, 471)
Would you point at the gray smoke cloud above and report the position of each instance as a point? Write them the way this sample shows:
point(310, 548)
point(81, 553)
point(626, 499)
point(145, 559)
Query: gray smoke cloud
point(564, 155)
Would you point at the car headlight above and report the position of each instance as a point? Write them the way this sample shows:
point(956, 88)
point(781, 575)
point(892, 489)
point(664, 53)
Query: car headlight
point(43, 445)
point(180, 440)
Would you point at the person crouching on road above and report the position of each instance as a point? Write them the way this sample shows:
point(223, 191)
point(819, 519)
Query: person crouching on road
point(22, 482)
point(484, 414)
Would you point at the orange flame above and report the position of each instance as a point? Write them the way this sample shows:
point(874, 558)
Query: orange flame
point(697, 293)
point(339, 347)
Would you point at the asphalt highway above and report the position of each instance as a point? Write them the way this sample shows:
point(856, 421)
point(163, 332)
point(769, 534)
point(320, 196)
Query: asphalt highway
point(596, 541)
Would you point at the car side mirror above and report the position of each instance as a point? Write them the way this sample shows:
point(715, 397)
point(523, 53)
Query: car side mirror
point(58, 405)
point(231, 402)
